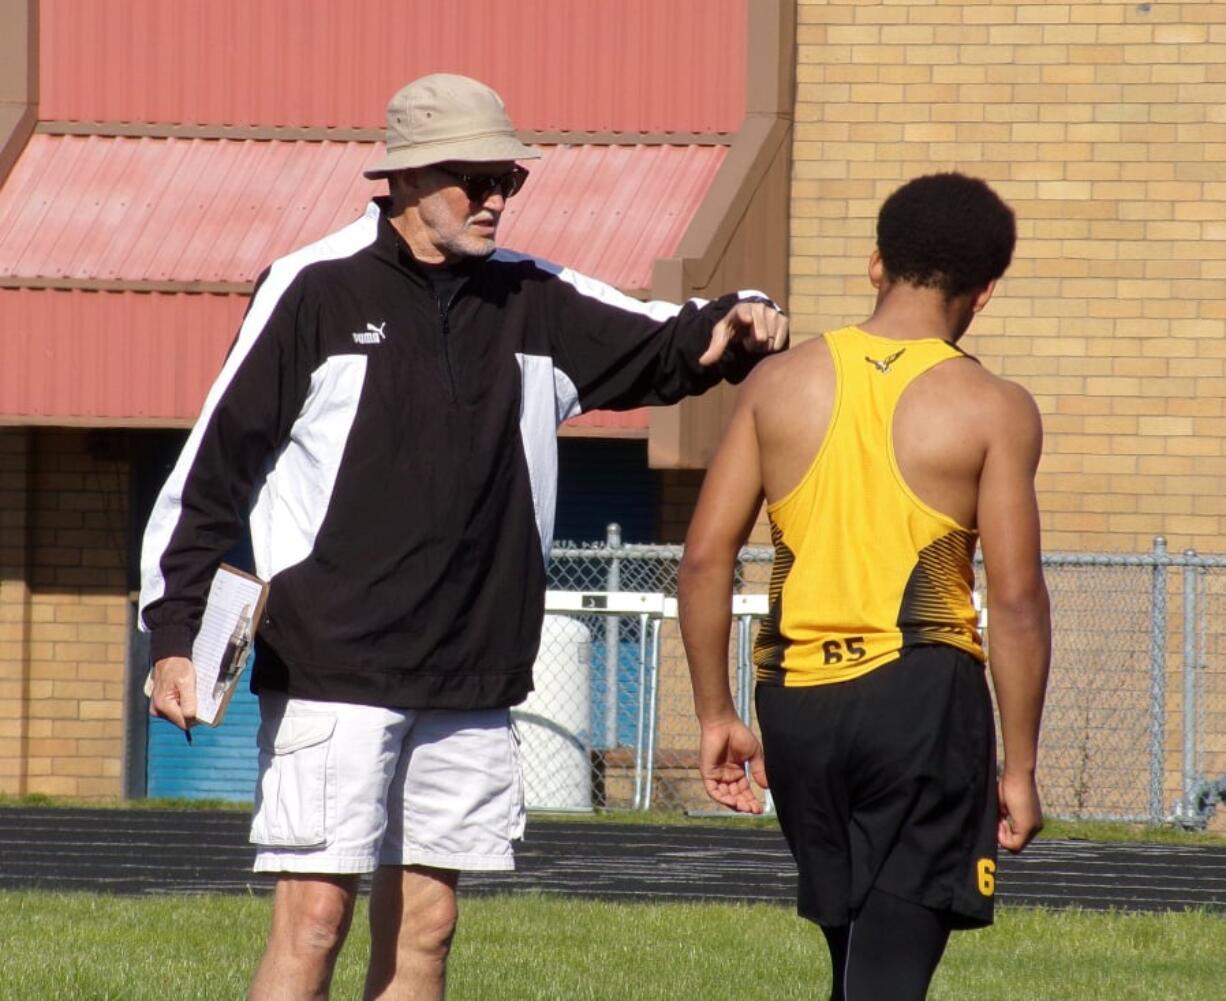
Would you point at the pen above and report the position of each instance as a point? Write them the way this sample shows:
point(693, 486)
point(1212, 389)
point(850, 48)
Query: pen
point(188, 734)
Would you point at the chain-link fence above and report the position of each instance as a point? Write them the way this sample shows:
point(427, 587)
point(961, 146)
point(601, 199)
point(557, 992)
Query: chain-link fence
point(1134, 729)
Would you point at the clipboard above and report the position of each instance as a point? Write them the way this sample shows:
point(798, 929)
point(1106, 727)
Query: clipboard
point(223, 643)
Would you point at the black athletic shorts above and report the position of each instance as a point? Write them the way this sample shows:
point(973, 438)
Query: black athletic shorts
point(889, 781)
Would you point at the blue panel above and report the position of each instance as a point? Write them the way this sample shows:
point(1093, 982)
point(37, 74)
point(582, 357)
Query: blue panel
point(220, 763)
point(626, 695)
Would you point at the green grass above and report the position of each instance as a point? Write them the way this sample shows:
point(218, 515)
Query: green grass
point(527, 947)
point(1108, 831)
point(69, 803)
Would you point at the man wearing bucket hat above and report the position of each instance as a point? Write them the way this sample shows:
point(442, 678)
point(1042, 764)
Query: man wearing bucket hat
point(386, 422)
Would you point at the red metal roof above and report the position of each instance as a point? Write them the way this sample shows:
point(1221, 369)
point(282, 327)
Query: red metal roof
point(217, 211)
point(99, 356)
point(207, 210)
point(625, 66)
point(610, 211)
point(201, 211)
point(172, 209)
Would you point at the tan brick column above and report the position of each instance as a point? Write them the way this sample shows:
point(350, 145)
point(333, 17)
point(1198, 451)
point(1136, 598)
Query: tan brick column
point(78, 614)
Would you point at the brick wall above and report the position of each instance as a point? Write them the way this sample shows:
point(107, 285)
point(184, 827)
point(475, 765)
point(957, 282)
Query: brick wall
point(1104, 125)
point(63, 611)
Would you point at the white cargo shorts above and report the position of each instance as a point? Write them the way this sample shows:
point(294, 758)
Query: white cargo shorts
point(346, 788)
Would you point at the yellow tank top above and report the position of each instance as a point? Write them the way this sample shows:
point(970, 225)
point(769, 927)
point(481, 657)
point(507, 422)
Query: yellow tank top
point(864, 568)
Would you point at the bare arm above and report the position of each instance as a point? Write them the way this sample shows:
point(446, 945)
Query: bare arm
point(1019, 618)
point(727, 506)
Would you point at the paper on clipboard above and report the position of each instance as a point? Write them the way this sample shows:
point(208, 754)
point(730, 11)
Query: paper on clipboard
point(222, 645)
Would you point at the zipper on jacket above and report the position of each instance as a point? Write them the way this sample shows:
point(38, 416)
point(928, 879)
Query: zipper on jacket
point(444, 311)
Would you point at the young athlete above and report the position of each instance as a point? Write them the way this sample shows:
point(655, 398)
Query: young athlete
point(884, 453)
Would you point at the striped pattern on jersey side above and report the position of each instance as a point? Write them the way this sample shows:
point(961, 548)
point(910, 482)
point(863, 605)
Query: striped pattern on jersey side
point(934, 603)
point(771, 645)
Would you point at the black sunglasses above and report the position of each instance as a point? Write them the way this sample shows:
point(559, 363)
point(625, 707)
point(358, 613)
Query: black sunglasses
point(478, 187)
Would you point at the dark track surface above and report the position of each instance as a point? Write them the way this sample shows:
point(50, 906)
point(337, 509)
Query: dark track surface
point(151, 851)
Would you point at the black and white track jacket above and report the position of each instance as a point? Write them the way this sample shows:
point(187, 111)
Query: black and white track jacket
point(397, 460)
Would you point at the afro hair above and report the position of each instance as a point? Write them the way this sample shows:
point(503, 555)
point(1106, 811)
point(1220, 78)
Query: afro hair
point(946, 231)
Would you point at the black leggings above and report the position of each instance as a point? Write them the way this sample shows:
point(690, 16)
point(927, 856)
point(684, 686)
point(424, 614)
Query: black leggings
point(888, 952)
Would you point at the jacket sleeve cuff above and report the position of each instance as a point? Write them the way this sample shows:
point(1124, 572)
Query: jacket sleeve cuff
point(170, 641)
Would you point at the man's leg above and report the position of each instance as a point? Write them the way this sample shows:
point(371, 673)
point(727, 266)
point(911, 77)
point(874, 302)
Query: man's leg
point(310, 919)
point(412, 920)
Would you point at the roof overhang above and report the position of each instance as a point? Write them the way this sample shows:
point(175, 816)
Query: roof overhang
point(169, 214)
point(155, 228)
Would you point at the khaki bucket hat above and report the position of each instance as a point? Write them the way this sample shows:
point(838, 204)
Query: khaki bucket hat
point(444, 117)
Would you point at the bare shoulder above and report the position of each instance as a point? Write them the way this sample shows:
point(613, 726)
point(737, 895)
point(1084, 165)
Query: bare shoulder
point(994, 399)
point(789, 374)
point(1008, 419)
point(1010, 402)
point(791, 399)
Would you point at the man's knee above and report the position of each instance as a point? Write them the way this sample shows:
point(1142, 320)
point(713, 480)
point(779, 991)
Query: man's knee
point(321, 927)
point(431, 927)
point(415, 908)
point(315, 917)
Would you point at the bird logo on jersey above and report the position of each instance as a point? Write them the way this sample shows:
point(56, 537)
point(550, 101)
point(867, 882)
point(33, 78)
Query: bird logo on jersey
point(884, 366)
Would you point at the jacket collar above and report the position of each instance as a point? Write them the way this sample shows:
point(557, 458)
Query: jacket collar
point(391, 247)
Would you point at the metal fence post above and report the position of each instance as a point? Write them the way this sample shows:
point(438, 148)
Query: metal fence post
point(1157, 680)
point(744, 669)
point(612, 644)
point(640, 737)
point(653, 672)
point(1187, 805)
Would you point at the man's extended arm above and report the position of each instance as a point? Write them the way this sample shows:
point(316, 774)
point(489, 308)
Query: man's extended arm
point(1019, 621)
point(727, 507)
point(620, 353)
